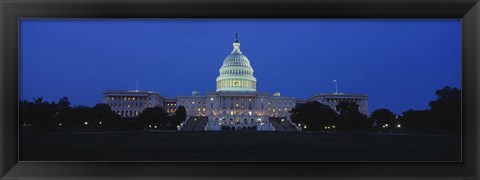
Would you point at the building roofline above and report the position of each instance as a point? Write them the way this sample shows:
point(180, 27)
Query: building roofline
point(132, 92)
point(337, 95)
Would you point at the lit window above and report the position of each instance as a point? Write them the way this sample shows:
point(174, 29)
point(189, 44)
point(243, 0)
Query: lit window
point(211, 99)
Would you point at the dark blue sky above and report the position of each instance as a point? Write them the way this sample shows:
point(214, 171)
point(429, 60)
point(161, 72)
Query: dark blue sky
point(398, 63)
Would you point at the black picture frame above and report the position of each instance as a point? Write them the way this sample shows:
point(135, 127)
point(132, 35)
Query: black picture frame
point(12, 10)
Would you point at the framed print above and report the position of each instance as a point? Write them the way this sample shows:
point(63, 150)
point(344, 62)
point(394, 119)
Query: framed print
point(239, 89)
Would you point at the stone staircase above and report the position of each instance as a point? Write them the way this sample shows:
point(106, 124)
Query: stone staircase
point(280, 125)
point(288, 126)
point(277, 124)
point(195, 124)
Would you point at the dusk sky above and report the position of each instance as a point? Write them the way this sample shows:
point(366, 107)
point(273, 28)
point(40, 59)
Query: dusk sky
point(398, 63)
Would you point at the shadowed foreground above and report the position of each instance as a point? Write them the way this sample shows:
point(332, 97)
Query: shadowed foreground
point(237, 146)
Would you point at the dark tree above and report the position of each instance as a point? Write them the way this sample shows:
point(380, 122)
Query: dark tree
point(63, 103)
point(64, 114)
point(41, 115)
point(180, 116)
point(350, 118)
point(417, 119)
point(314, 115)
point(383, 116)
point(104, 117)
point(83, 118)
point(151, 117)
point(446, 110)
point(25, 114)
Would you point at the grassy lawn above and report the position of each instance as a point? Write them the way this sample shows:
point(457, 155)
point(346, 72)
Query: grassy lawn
point(237, 146)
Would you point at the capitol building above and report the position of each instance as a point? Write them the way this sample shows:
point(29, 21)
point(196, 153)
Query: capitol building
point(235, 105)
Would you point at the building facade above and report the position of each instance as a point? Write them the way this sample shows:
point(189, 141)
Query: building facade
point(131, 103)
point(235, 105)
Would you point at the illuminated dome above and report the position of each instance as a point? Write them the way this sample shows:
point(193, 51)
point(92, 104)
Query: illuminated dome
point(236, 74)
